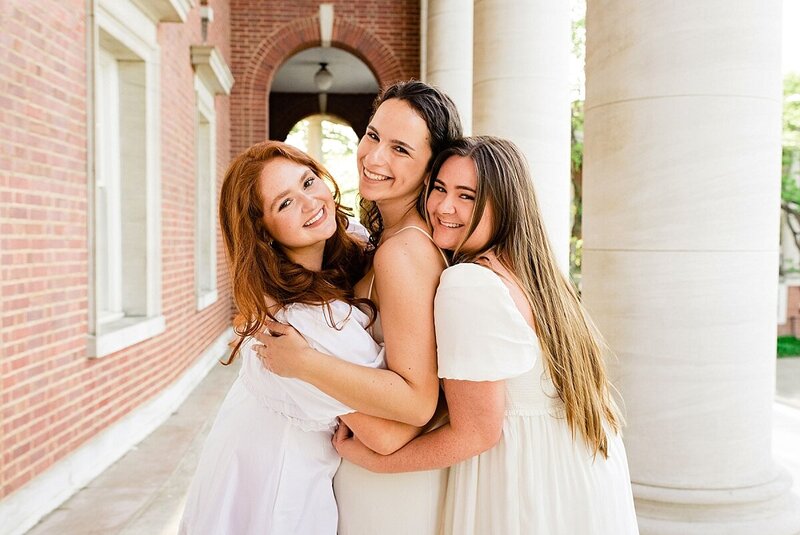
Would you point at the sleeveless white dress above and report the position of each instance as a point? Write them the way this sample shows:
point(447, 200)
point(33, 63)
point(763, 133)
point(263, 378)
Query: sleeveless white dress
point(389, 504)
point(268, 462)
point(537, 480)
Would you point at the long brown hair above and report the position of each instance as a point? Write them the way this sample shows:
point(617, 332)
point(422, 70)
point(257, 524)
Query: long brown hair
point(259, 267)
point(571, 345)
point(444, 126)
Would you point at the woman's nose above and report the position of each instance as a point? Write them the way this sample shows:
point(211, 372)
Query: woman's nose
point(446, 206)
point(375, 155)
point(307, 202)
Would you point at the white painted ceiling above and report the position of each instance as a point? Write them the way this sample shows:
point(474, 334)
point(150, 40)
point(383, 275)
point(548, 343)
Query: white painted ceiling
point(350, 74)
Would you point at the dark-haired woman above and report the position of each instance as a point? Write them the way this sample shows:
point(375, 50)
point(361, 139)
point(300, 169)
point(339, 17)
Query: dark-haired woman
point(268, 463)
point(412, 123)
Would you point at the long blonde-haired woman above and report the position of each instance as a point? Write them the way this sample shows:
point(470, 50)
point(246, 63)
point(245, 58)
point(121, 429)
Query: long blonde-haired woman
point(533, 432)
point(412, 123)
point(268, 463)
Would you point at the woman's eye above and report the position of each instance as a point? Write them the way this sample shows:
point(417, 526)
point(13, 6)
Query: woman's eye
point(309, 181)
point(440, 189)
point(401, 150)
point(373, 136)
point(284, 204)
point(467, 197)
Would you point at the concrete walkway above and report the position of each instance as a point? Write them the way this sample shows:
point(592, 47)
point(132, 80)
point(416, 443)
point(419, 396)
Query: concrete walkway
point(144, 492)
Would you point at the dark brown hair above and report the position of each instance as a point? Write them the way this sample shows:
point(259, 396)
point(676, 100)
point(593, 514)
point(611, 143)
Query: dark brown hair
point(444, 126)
point(259, 267)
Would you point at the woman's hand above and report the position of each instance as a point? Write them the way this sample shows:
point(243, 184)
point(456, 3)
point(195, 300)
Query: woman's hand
point(352, 449)
point(282, 349)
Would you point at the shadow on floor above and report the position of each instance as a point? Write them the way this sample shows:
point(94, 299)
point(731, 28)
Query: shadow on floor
point(144, 492)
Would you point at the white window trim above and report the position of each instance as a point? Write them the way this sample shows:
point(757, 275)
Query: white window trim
point(205, 106)
point(212, 77)
point(210, 67)
point(127, 24)
point(139, 330)
point(166, 10)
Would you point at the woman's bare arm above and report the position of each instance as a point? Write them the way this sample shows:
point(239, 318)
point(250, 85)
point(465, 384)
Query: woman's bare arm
point(477, 412)
point(407, 270)
point(379, 434)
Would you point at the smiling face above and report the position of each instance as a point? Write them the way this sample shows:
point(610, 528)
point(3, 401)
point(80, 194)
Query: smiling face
point(299, 211)
point(451, 204)
point(394, 153)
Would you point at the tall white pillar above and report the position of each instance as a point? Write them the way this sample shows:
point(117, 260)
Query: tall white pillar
point(449, 53)
point(521, 91)
point(680, 258)
point(315, 137)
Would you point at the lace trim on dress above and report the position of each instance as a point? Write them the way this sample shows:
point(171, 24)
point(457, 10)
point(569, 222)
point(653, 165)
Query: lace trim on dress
point(284, 409)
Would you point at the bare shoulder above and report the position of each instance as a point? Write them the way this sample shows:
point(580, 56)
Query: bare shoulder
point(409, 251)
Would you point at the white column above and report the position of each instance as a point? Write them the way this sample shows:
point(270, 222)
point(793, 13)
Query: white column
point(448, 55)
point(315, 137)
point(681, 203)
point(521, 91)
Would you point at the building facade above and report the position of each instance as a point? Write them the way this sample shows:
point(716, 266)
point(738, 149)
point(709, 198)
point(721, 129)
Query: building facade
point(118, 117)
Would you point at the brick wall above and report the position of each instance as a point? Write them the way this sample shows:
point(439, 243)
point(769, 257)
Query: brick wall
point(792, 325)
point(52, 397)
point(265, 33)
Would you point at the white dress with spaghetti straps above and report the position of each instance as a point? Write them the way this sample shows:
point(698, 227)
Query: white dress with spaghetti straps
point(389, 504)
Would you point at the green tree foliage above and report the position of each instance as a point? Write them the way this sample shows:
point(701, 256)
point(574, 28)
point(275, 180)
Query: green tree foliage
point(790, 190)
point(576, 167)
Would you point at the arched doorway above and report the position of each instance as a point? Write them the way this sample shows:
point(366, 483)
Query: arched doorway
point(250, 109)
point(333, 142)
point(294, 94)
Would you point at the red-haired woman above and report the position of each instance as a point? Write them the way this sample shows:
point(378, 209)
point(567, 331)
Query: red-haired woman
point(268, 462)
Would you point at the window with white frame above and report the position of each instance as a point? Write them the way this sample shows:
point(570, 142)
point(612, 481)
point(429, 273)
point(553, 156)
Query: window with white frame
point(212, 77)
point(108, 227)
point(126, 293)
point(206, 192)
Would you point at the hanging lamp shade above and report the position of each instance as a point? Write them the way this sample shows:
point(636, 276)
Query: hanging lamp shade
point(323, 79)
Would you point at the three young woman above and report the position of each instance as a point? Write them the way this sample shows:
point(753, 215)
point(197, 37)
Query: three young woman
point(532, 431)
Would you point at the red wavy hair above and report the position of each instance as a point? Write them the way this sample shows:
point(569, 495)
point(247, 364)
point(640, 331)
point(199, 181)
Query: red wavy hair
point(260, 269)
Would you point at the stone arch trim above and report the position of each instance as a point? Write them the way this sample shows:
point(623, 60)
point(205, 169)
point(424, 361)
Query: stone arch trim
point(284, 42)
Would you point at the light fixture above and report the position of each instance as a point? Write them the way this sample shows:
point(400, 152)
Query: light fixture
point(323, 79)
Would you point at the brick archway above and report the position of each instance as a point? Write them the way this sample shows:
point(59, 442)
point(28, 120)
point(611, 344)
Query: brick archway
point(250, 115)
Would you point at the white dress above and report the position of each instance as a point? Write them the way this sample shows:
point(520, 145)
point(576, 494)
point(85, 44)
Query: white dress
point(537, 480)
point(389, 504)
point(411, 503)
point(268, 462)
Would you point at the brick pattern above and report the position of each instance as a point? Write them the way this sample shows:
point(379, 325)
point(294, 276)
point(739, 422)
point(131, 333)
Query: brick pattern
point(265, 33)
point(792, 325)
point(52, 398)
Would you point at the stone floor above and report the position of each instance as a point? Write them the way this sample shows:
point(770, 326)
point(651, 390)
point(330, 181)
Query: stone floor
point(144, 492)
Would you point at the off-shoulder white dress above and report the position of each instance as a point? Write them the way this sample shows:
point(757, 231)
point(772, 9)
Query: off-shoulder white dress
point(537, 480)
point(268, 462)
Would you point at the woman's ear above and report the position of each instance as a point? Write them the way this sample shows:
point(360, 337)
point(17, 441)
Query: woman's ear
point(426, 181)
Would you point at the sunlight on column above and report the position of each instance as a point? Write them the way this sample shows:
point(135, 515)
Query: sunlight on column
point(339, 144)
